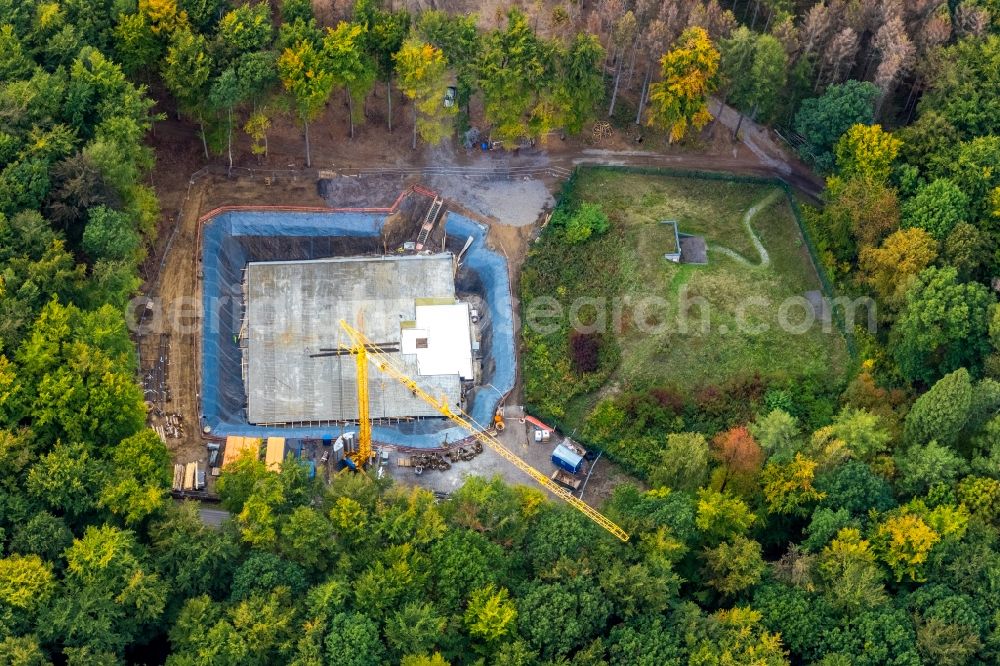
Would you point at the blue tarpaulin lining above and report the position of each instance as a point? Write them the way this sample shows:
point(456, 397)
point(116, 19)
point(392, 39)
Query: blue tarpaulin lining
point(223, 262)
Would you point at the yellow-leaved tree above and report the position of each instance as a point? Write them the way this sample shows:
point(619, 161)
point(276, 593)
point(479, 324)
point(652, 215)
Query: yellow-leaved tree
point(422, 75)
point(904, 542)
point(866, 152)
point(689, 74)
point(892, 267)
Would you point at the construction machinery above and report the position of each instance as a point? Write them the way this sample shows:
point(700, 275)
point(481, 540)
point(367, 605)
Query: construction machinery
point(360, 350)
point(366, 351)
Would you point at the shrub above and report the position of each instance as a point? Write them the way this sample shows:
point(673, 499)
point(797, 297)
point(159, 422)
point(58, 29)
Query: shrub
point(585, 351)
point(588, 220)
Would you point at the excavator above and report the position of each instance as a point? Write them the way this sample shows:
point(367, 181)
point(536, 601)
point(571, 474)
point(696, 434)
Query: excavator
point(365, 352)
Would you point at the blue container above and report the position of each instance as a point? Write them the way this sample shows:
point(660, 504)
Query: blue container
point(567, 460)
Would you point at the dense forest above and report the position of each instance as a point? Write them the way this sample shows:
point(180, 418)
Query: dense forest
point(861, 530)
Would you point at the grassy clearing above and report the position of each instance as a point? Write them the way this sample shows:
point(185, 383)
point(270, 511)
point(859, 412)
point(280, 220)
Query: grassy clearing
point(736, 337)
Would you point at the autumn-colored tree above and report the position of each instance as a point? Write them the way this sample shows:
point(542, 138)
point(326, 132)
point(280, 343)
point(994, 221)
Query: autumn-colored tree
point(904, 543)
point(788, 487)
point(866, 152)
point(867, 211)
point(890, 268)
point(351, 68)
point(689, 71)
point(422, 72)
point(738, 452)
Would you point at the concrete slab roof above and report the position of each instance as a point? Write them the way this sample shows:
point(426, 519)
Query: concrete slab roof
point(293, 311)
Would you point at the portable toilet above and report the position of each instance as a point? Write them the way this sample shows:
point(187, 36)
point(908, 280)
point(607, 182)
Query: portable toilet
point(567, 460)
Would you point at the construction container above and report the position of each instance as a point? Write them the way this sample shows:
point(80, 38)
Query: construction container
point(567, 460)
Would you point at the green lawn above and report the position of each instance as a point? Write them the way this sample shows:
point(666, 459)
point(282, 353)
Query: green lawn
point(626, 265)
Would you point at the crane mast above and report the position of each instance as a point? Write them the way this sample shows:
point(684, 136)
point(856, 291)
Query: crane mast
point(364, 351)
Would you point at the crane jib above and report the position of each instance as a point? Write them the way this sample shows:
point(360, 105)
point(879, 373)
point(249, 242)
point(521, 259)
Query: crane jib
point(365, 351)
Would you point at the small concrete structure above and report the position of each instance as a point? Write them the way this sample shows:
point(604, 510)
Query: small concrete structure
point(404, 304)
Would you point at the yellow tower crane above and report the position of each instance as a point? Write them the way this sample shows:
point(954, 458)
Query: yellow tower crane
point(365, 351)
point(360, 350)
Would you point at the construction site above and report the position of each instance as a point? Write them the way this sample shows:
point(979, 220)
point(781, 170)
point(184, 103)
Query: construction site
point(285, 289)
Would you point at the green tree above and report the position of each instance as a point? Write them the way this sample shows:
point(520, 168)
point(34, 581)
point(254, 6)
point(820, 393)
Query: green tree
point(586, 221)
point(580, 87)
point(964, 88)
point(967, 249)
point(943, 325)
point(852, 579)
point(422, 73)
point(186, 70)
point(722, 516)
point(559, 617)
point(306, 75)
point(226, 91)
point(736, 636)
point(941, 413)
point(79, 370)
point(683, 464)
point(67, 480)
point(753, 68)
point(937, 207)
point(111, 595)
point(353, 640)
point(512, 64)
point(138, 481)
point(415, 628)
point(109, 234)
point(191, 556)
point(974, 166)
point(854, 487)
point(777, 432)
point(307, 538)
point(491, 614)
point(734, 566)
point(823, 120)
point(43, 535)
point(864, 433)
point(921, 466)
point(385, 32)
